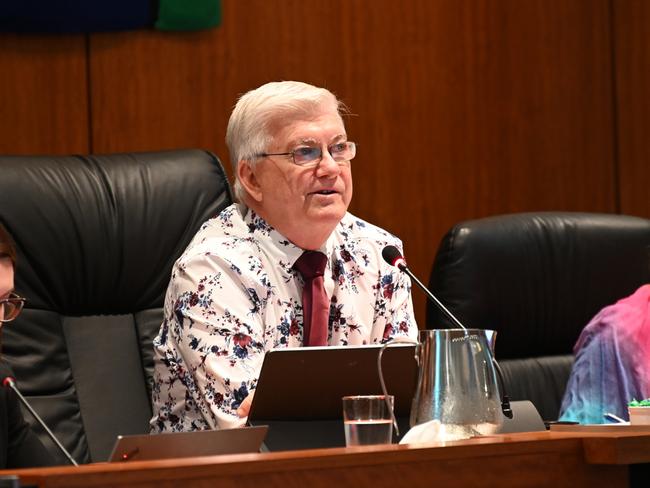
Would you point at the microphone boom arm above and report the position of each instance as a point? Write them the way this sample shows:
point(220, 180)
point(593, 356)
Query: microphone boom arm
point(433, 298)
point(12, 384)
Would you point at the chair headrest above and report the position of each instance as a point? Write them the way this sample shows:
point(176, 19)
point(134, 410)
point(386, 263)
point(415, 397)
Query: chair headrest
point(99, 234)
point(538, 278)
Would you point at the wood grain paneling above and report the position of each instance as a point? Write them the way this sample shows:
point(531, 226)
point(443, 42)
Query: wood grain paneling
point(483, 108)
point(43, 95)
point(465, 108)
point(153, 90)
point(632, 60)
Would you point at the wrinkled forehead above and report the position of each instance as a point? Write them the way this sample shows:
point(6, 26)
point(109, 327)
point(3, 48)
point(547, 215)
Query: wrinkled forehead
point(286, 114)
point(324, 127)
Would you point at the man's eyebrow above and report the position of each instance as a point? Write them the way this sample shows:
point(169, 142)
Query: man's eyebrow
point(312, 141)
point(308, 141)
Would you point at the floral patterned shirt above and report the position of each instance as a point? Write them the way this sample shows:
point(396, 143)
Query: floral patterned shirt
point(234, 295)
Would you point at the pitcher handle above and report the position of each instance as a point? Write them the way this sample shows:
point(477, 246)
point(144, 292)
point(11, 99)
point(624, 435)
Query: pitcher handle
point(505, 399)
point(393, 341)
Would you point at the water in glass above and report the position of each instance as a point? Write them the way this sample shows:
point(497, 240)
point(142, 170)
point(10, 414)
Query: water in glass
point(365, 432)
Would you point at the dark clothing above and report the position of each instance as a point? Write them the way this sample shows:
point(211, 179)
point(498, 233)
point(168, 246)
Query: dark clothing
point(19, 446)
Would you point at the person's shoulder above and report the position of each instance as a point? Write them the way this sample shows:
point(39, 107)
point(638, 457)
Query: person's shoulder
point(357, 229)
point(223, 237)
point(228, 223)
point(5, 370)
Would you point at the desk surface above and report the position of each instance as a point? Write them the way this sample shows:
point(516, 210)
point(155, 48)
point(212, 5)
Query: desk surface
point(557, 459)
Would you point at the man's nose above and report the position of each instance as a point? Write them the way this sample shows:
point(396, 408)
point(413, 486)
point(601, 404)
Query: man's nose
point(327, 166)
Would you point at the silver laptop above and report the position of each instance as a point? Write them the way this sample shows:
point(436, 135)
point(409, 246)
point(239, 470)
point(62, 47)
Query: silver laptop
point(188, 444)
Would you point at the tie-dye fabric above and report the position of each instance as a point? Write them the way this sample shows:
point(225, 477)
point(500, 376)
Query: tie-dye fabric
point(612, 364)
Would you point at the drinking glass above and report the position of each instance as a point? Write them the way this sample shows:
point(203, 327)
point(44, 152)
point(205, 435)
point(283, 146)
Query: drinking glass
point(367, 419)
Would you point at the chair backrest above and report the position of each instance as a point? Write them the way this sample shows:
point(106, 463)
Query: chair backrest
point(97, 237)
point(537, 279)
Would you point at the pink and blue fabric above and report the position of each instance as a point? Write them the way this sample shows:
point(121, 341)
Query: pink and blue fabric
point(612, 365)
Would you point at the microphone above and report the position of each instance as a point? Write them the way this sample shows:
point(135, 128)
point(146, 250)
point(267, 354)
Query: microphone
point(10, 382)
point(393, 257)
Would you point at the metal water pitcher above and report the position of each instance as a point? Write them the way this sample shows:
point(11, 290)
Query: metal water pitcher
point(457, 384)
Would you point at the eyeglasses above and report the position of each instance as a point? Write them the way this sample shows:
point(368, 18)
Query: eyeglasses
point(10, 307)
point(341, 152)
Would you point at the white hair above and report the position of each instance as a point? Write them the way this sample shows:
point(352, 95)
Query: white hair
point(257, 111)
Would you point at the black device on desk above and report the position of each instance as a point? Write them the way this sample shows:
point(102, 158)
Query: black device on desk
point(299, 391)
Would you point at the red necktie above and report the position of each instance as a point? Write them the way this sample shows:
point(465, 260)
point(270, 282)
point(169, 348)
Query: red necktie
point(315, 304)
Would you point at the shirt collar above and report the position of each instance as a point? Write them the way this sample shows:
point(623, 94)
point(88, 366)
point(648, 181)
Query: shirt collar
point(282, 249)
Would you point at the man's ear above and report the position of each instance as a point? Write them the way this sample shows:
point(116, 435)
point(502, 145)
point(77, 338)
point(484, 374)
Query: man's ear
point(248, 180)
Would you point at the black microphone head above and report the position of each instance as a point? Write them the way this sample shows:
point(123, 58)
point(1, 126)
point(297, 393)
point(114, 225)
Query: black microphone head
point(391, 255)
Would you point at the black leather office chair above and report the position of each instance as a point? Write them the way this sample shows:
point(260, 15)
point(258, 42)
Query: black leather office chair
point(97, 237)
point(538, 278)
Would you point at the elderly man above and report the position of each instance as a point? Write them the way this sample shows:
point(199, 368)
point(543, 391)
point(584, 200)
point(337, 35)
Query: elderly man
point(285, 267)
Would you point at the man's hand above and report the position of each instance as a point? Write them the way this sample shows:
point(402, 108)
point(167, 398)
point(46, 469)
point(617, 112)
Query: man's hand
point(245, 406)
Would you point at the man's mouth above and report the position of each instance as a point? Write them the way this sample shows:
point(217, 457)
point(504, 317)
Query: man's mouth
point(324, 192)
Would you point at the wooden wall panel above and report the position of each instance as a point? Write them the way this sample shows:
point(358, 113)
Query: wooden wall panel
point(483, 108)
point(632, 61)
point(153, 90)
point(464, 108)
point(43, 95)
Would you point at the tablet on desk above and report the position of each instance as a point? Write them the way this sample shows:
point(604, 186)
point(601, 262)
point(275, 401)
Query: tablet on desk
point(187, 444)
point(299, 390)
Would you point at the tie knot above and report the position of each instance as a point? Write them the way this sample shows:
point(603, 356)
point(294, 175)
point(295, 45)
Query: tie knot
point(311, 264)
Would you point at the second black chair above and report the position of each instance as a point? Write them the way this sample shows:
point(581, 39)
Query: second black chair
point(537, 279)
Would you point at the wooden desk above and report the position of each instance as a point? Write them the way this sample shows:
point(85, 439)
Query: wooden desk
point(556, 459)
